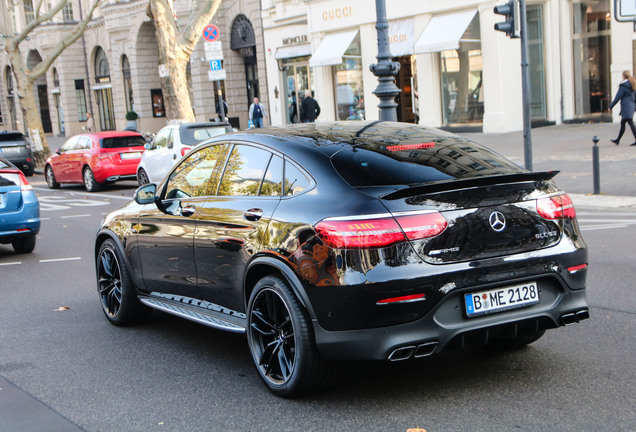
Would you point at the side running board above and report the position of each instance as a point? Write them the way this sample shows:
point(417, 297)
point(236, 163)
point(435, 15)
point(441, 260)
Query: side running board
point(200, 314)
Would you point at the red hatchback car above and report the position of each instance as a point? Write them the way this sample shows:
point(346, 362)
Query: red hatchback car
point(95, 158)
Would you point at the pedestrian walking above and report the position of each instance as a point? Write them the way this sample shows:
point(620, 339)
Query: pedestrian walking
point(309, 108)
point(625, 95)
point(257, 113)
point(89, 122)
point(218, 110)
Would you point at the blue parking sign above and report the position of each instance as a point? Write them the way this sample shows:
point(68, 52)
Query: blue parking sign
point(215, 65)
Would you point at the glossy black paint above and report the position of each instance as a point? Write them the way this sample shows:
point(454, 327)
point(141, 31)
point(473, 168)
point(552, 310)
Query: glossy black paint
point(208, 252)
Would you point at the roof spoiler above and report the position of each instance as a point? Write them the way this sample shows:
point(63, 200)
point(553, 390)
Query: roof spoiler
point(416, 190)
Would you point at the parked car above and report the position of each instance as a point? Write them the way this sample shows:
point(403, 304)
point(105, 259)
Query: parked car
point(15, 148)
point(340, 241)
point(170, 144)
point(95, 158)
point(19, 209)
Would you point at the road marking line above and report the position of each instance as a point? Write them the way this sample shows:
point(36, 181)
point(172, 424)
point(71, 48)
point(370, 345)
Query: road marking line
point(45, 219)
point(74, 216)
point(11, 263)
point(61, 259)
point(87, 194)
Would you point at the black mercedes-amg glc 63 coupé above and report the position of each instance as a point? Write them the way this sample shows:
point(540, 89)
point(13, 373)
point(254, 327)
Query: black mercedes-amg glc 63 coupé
point(327, 242)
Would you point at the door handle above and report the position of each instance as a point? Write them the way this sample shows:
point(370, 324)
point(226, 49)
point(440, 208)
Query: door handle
point(253, 214)
point(174, 156)
point(187, 211)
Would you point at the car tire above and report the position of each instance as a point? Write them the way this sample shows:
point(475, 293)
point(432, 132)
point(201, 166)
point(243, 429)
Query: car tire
point(50, 178)
point(24, 244)
point(115, 287)
point(281, 341)
point(142, 177)
point(90, 183)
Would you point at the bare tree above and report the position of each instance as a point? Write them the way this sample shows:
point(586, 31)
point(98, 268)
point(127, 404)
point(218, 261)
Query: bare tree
point(175, 48)
point(25, 78)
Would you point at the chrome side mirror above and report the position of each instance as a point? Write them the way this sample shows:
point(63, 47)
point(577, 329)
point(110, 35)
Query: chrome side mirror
point(146, 194)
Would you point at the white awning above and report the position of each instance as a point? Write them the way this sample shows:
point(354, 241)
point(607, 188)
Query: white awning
point(293, 51)
point(444, 32)
point(332, 48)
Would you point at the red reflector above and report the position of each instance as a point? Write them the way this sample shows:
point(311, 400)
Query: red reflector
point(379, 232)
point(24, 184)
point(576, 268)
point(410, 146)
point(556, 207)
point(184, 150)
point(402, 299)
point(23, 230)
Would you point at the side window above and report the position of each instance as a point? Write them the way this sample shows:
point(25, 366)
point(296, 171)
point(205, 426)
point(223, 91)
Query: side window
point(199, 174)
point(69, 145)
point(244, 171)
point(161, 139)
point(295, 181)
point(273, 179)
point(84, 143)
point(171, 138)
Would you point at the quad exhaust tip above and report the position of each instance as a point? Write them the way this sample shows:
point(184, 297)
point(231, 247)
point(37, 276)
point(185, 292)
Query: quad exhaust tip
point(406, 352)
point(575, 317)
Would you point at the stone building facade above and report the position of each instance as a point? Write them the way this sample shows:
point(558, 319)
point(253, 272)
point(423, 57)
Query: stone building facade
point(114, 69)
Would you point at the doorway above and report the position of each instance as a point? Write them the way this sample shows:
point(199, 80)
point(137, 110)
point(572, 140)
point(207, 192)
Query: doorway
point(297, 80)
point(45, 115)
point(404, 81)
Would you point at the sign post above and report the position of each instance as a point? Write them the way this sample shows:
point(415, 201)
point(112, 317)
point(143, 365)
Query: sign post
point(214, 54)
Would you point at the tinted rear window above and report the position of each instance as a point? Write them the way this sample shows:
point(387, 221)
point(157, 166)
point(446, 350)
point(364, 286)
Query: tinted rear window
point(194, 136)
point(417, 160)
point(119, 142)
point(9, 179)
point(11, 137)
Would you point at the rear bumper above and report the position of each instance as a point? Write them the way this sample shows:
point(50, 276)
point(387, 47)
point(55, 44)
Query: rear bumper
point(447, 327)
point(108, 171)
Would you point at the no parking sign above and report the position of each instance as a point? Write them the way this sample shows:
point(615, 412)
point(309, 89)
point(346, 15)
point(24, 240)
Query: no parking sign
point(211, 32)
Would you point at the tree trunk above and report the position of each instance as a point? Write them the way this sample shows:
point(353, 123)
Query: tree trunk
point(175, 91)
point(33, 124)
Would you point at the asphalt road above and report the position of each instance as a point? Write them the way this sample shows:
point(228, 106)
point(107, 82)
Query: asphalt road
point(64, 367)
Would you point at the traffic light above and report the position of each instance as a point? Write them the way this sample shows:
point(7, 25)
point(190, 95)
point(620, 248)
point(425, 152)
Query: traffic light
point(511, 25)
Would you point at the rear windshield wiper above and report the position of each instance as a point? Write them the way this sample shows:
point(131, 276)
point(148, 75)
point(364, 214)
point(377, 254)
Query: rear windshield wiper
point(416, 190)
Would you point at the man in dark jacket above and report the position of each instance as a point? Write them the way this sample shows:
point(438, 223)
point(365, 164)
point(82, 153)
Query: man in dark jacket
point(309, 108)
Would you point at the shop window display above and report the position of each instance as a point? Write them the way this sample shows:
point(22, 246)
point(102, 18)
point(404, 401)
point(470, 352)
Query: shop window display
point(349, 86)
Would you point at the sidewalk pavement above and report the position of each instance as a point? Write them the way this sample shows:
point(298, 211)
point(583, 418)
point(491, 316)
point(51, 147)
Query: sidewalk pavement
point(567, 148)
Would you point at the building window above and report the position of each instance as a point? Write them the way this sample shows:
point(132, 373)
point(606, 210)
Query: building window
point(128, 89)
point(28, 10)
point(349, 86)
point(591, 48)
point(80, 98)
point(462, 85)
point(158, 109)
point(67, 12)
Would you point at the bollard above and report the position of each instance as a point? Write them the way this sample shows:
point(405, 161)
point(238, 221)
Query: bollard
point(596, 166)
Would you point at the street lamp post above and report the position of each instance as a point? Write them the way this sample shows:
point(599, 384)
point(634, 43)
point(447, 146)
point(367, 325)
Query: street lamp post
point(385, 68)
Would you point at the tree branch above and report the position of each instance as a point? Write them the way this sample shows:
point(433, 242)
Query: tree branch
point(39, 20)
point(41, 68)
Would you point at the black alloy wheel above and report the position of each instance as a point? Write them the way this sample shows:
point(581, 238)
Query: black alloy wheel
point(90, 183)
point(142, 177)
point(281, 341)
point(115, 287)
point(50, 178)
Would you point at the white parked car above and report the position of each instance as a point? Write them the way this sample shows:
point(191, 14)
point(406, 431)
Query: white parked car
point(170, 144)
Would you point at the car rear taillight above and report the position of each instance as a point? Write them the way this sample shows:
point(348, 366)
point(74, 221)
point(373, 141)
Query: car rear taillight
point(24, 184)
point(556, 207)
point(184, 150)
point(369, 232)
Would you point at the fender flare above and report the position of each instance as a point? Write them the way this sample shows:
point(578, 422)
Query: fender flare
point(291, 277)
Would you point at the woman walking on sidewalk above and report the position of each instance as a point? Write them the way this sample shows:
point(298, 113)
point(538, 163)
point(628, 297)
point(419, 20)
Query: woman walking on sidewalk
point(625, 95)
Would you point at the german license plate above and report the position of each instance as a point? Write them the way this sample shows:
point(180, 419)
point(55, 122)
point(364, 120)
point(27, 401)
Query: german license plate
point(501, 299)
point(9, 149)
point(131, 155)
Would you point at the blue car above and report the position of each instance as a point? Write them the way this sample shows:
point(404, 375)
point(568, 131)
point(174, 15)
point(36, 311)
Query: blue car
point(19, 209)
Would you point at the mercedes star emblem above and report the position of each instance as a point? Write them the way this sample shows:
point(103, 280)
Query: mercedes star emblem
point(497, 221)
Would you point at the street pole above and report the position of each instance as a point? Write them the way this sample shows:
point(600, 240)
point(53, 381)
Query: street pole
point(385, 68)
point(525, 83)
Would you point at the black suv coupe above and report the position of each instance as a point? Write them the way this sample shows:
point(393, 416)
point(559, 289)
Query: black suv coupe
point(336, 241)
